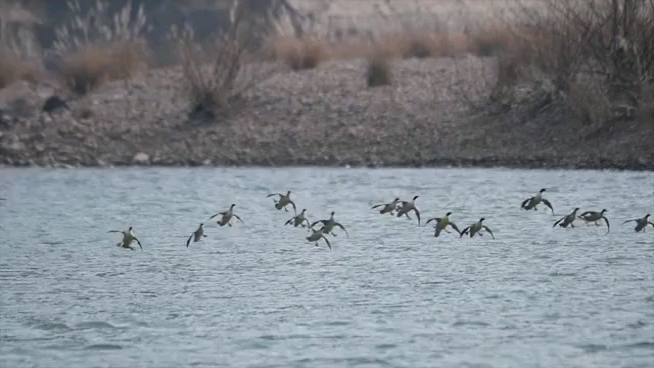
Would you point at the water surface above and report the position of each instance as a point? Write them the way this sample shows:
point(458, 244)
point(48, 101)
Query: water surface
point(260, 295)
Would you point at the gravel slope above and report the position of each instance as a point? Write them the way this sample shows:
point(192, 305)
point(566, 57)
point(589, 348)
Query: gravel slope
point(325, 116)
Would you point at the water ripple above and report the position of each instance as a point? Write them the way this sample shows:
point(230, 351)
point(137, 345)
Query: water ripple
point(260, 295)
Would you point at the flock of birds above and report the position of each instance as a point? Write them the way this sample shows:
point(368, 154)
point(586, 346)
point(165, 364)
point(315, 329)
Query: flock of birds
point(396, 208)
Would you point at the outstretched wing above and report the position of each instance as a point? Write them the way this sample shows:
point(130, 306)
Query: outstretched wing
point(188, 241)
point(561, 219)
point(489, 231)
point(293, 204)
point(115, 231)
point(377, 205)
point(327, 241)
point(417, 214)
point(548, 204)
point(138, 242)
point(238, 218)
point(628, 221)
point(437, 219)
point(524, 203)
point(585, 214)
point(289, 221)
point(218, 214)
point(273, 194)
point(454, 227)
point(608, 227)
point(341, 226)
point(465, 231)
point(317, 222)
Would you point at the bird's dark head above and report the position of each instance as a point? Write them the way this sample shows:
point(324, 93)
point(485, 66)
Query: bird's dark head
point(232, 206)
point(542, 190)
point(288, 193)
point(416, 197)
point(576, 209)
point(333, 213)
point(646, 216)
point(201, 224)
point(449, 213)
point(396, 199)
point(481, 220)
point(130, 228)
point(304, 210)
point(604, 210)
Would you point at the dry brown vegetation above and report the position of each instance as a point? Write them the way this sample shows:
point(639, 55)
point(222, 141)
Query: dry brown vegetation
point(89, 67)
point(590, 62)
point(595, 54)
point(299, 54)
point(91, 49)
point(594, 57)
point(14, 68)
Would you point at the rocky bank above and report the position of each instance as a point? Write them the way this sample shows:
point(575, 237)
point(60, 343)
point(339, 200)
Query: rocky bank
point(325, 116)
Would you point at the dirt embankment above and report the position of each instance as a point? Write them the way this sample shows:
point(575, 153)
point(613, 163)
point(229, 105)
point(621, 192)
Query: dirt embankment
point(323, 116)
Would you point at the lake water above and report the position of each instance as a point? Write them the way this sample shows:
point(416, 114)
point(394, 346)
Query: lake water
point(260, 295)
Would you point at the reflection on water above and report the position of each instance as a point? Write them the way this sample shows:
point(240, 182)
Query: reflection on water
point(259, 294)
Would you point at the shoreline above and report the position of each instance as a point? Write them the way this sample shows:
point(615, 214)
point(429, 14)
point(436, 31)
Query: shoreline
point(451, 163)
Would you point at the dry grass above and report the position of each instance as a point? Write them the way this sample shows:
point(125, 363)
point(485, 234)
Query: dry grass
point(14, 68)
point(306, 54)
point(95, 48)
point(299, 54)
point(492, 40)
point(89, 67)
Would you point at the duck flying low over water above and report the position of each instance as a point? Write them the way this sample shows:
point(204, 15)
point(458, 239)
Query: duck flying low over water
point(593, 216)
point(227, 216)
point(532, 202)
point(197, 235)
point(328, 225)
point(567, 220)
point(641, 223)
point(283, 201)
point(299, 219)
point(442, 223)
point(128, 238)
point(476, 229)
point(408, 206)
point(388, 207)
point(317, 235)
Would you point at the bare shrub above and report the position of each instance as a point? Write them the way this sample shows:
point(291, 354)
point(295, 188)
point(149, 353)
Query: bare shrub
point(595, 54)
point(588, 101)
point(95, 48)
point(379, 71)
point(217, 74)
